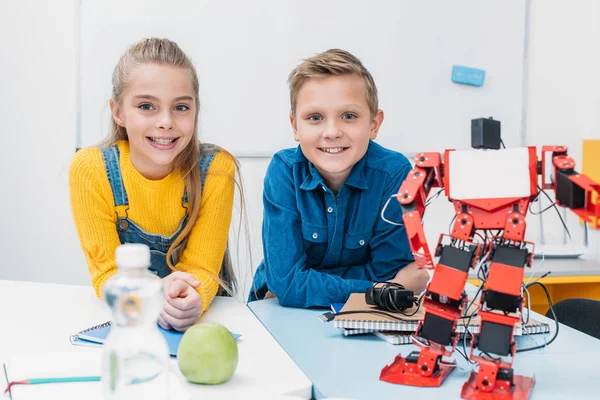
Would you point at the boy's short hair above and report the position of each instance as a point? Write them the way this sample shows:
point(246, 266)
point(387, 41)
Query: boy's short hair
point(332, 62)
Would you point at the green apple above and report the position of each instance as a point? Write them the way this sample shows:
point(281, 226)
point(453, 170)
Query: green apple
point(207, 354)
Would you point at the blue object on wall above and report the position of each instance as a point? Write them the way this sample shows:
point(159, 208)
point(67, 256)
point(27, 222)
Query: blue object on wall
point(467, 75)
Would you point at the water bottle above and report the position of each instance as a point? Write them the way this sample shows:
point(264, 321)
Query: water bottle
point(136, 357)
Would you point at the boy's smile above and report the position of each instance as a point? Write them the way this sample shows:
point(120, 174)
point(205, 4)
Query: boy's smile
point(333, 125)
point(333, 150)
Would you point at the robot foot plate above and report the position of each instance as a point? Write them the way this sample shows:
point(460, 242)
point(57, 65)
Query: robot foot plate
point(520, 391)
point(405, 373)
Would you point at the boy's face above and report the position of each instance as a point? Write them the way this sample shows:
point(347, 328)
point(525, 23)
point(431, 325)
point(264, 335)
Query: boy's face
point(333, 125)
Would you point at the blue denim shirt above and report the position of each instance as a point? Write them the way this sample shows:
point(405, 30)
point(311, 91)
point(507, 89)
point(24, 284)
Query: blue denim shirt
point(319, 248)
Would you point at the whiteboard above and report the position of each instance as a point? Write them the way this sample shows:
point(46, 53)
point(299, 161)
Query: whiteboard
point(244, 51)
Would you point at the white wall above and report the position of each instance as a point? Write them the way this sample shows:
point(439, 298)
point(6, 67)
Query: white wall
point(414, 76)
point(253, 174)
point(37, 110)
point(563, 105)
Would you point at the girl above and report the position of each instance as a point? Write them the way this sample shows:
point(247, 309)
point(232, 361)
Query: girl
point(153, 182)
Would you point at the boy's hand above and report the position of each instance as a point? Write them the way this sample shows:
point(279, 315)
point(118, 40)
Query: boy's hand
point(183, 304)
point(412, 277)
point(269, 295)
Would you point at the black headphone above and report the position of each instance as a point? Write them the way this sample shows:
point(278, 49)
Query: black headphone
point(390, 296)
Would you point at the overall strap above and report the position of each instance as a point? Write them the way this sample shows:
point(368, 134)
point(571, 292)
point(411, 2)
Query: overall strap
point(113, 171)
point(209, 152)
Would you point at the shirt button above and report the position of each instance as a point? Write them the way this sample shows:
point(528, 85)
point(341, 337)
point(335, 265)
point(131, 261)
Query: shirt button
point(315, 235)
point(324, 188)
point(329, 210)
point(361, 242)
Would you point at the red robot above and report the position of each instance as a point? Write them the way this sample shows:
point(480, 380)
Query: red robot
point(489, 232)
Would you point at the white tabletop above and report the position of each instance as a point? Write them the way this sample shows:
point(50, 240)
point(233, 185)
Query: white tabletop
point(562, 267)
point(3, 382)
point(38, 318)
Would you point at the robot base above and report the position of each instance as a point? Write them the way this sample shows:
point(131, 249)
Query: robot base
point(520, 391)
point(404, 373)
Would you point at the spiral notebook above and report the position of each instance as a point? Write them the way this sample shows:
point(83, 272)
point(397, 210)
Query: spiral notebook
point(374, 322)
point(96, 335)
point(388, 336)
point(395, 337)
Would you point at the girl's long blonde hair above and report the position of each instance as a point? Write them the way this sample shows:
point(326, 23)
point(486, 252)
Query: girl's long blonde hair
point(165, 52)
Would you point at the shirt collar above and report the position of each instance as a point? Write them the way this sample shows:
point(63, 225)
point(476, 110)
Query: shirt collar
point(356, 179)
point(358, 176)
point(313, 179)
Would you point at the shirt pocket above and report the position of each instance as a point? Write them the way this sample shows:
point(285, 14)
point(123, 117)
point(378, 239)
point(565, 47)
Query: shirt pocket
point(314, 238)
point(356, 248)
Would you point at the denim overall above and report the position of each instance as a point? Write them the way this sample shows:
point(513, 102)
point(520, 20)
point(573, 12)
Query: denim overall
point(129, 231)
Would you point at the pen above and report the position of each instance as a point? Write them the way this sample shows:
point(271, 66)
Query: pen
point(38, 381)
point(71, 379)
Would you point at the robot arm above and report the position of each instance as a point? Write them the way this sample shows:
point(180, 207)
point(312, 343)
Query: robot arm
point(573, 190)
point(412, 195)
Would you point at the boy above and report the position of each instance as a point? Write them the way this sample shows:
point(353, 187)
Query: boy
point(323, 236)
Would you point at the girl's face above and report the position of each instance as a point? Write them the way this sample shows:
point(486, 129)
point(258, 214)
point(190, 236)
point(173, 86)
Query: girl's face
point(158, 111)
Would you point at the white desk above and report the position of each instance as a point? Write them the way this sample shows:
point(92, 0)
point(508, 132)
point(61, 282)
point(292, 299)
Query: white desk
point(38, 318)
point(3, 382)
point(569, 278)
point(558, 267)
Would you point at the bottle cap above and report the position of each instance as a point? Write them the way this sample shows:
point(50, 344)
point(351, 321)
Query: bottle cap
point(133, 255)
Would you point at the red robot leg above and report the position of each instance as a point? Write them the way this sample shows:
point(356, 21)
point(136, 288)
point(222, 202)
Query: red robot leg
point(499, 302)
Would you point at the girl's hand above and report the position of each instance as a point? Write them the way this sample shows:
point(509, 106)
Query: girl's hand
point(183, 304)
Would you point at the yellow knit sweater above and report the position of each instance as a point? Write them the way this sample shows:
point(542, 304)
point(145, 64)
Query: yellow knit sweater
point(155, 205)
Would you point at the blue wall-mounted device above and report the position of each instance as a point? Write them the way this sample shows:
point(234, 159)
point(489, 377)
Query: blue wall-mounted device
point(467, 75)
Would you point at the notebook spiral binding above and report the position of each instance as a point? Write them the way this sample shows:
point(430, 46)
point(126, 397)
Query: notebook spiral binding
point(72, 338)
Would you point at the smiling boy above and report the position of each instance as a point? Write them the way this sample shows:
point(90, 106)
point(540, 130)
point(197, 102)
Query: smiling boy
point(323, 237)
